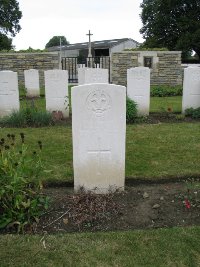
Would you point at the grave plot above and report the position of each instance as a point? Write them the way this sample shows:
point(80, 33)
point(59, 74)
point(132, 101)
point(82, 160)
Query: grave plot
point(56, 91)
point(138, 88)
point(31, 78)
point(99, 128)
point(191, 88)
point(9, 93)
point(92, 75)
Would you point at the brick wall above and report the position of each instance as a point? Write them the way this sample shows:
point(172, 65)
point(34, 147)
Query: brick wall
point(23, 61)
point(166, 67)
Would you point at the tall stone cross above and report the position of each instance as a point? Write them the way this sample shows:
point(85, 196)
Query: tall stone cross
point(89, 45)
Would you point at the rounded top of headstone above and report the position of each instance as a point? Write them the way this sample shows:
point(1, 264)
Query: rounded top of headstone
point(193, 67)
point(6, 71)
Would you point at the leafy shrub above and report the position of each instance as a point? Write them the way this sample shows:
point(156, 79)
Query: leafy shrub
point(131, 110)
point(164, 90)
point(20, 169)
point(28, 117)
point(193, 112)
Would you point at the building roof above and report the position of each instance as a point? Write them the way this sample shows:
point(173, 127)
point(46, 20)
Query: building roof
point(96, 44)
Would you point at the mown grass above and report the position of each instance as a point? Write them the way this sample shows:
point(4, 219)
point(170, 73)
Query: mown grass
point(39, 103)
point(153, 151)
point(162, 150)
point(157, 104)
point(150, 248)
point(162, 104)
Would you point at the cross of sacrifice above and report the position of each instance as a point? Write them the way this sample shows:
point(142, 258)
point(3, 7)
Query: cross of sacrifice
point(99, 152)
point(89, 44)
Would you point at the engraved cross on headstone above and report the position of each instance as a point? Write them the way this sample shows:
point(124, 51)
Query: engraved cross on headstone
point(99, 152)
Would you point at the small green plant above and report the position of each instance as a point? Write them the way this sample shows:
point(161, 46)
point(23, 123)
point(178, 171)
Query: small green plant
point(29, 116)
point(164, 90)
point(179, 117)
point(131, 110)
point(22, 90)
point(193, 112)
point(21, 201)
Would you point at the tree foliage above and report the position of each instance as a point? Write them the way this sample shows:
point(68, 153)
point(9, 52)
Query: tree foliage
point(174, 24)
point(9, 22)
point(5, 42)
point(55, 41)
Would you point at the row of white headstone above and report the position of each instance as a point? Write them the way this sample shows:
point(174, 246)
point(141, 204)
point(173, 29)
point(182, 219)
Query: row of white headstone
point(138, 88)
point(138, 85)
point(56, 90)
point(85, 76)
point(56, 84)
point(98, 122)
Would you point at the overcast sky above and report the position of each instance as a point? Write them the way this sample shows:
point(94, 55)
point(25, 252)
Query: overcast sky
point(107, 19)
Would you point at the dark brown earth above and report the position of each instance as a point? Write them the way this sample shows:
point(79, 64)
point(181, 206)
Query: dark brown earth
point(141, 206)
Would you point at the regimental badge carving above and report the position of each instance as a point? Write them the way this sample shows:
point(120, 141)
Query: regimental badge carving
point(139, 74)
point(98, 102)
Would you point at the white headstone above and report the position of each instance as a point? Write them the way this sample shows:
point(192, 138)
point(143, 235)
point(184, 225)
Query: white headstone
point(9, 93)
point(31, 78)
point(56, 91)
point(138, 88)
point(99, 128)
point(191, 88)
point(92, 75)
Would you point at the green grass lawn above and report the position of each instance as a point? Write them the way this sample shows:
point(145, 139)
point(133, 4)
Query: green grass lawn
point(157, 104)
point(161, 104)
point(39, 103)
point(153, 151)
point(151, 248)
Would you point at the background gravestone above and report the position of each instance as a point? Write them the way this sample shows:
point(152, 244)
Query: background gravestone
point(9, 93)
point(138, 88)
point(191, 88)
point(31, 78)
point(99, 128)
point(56, 91)
point(92, 75)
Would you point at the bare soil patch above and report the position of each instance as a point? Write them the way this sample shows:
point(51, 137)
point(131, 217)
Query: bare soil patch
point(141, 206)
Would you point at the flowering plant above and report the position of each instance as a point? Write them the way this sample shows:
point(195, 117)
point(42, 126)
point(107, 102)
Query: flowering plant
point(21, 201)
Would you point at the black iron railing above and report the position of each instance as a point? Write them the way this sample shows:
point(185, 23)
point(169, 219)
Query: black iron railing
point(73, 63)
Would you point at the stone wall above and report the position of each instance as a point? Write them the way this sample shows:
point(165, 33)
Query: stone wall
point(166, 68)
point(120, 62)
point(19, 62)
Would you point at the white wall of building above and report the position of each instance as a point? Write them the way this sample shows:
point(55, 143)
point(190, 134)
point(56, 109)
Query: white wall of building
point(125, 45)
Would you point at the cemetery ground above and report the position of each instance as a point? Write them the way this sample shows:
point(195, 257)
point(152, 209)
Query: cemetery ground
point(160, 154)
point(154, 222)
